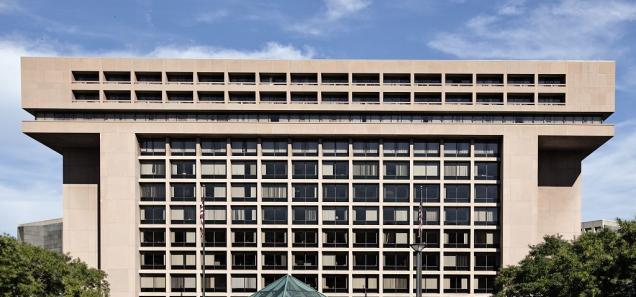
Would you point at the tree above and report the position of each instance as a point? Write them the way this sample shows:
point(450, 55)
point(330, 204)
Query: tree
point(594, 264)
point(26, 271)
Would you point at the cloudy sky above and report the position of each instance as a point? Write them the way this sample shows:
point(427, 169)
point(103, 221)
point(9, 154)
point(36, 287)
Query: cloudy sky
point(30, 174)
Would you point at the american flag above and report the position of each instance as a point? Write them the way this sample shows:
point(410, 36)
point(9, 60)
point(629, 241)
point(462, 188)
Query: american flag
point(202, 219)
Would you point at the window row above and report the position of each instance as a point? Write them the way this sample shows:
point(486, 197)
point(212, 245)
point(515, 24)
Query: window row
point(329, 148)
point(309, 260)
point(331, 283)
point(330, 238)
point(331, 192)
point(323, 97)
point(247, 169)
point(331, 215)
point(281, 78)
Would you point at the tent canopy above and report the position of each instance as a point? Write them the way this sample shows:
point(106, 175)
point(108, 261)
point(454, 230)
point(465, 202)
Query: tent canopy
point(288, 286)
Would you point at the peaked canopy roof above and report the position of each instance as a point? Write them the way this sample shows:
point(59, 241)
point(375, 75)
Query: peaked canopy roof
point(288, 286)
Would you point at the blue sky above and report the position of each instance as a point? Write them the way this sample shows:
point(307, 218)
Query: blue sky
point(30, 174)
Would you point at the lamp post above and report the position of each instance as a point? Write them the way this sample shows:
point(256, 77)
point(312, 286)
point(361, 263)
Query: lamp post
point(418, 248)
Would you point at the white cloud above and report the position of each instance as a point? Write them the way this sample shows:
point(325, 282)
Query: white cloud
point(566, 29)
point(609, 175)
point(7, 5)
point(335, 12)
point(30, 174)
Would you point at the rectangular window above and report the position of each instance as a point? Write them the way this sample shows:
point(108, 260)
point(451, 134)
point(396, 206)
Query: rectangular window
point(183, 147)
point(430, 261)
point(484, 284)
point(152, 192)
point(335, 169)
point(335, 215)
point(335, 261)
point(183, 237)
point(305, 169)
point(486, 216)
point(214, 191)
point(213, 147)
point(396, 215)
point(183, 169)
point(152, 214)
point(215, 260)
point(244, 283)
point(274, 169)
point(304, 192)
point(456, 261)
point(335, 192)
point(456, 149)
point(365, 148)
point(486, 193)
point(153, 237)
point(215, 283)
point(486, 239)
point(429, 237)
point(456, 284)
point(152, 260)
point(274, 215)
point(396, 238)
point(396, 284)
point(305, 148)
point(426, 170)
point(182, 260)
point(213, 237)
point(182, 192)
point(243, 237)
point(215, 215)
point(335, 238)
point(335, 148)
point(274, 192)
point(457, 193)
point(486, 149)
point(486, 261)
point(274, 147)
point(456, 239)
point(396, 193)
point(243, 215)
point(365, 170)
point(456, 170)
point(213, 169)
point(424, 193)
point(396, 170)
point(182, 215)
point(275, 237)
point(337, 283)
point(365, 215)
point(364, 283)
point(241, 147)
point(396, 148)
point(244, 169)
point(304, 238)
point(152, 169)
point(152, 282)
point(243, 192)
point(305, 215)
point(430, 284)
point(152, 146)
point(366, 193)
point(426, 215)
point(457, 216)
point(305, 260)
point(274, 260)
point(486, 170)
point(365, 261)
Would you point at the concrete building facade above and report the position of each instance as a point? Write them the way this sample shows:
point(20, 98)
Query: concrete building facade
point(45, 234)
point(315, 168)
point(598, 225)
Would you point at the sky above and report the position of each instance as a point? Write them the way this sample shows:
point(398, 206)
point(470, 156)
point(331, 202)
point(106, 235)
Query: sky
point(30, 174)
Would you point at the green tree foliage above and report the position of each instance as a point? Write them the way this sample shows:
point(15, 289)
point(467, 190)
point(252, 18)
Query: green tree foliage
point(29, 271)
point(594, 264)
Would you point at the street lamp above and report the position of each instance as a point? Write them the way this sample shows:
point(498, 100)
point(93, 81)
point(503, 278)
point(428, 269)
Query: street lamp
point(418, 248)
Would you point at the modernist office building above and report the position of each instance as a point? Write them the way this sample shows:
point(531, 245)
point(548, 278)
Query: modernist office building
point(315, 168)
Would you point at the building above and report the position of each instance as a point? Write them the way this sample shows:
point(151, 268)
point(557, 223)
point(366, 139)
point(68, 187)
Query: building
point(315, 168)
point(45, 234)
point(598, 225)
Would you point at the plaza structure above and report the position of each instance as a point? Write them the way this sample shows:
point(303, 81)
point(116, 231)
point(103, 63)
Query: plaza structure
point(598, 225)
point(45, 234)
point(322, 169)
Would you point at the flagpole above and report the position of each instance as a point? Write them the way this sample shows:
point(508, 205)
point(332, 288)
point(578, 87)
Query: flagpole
point(202, 218)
